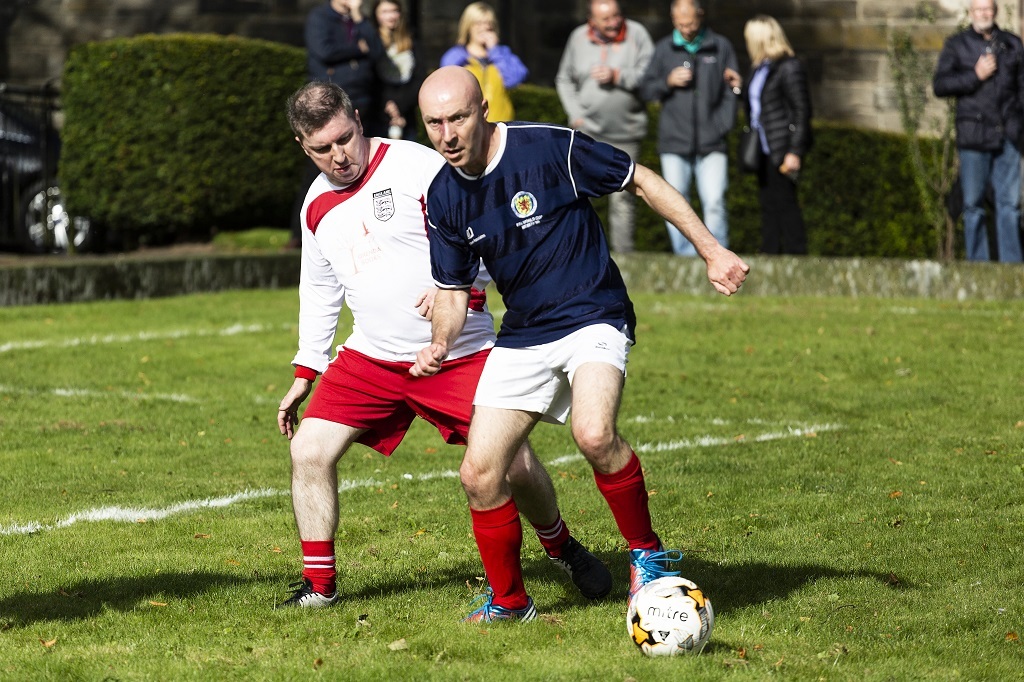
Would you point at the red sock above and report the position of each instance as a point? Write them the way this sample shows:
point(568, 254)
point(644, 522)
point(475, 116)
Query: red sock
point(499, 537)
point(553, 537)
point(626, 495)
point(318, 565)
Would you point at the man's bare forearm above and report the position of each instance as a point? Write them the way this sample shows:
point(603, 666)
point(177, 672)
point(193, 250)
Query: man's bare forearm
point(670, 205)
point(449, 316)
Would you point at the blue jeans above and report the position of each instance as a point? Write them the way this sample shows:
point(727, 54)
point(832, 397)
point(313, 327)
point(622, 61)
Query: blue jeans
point(712, 172)
point(1002, 169)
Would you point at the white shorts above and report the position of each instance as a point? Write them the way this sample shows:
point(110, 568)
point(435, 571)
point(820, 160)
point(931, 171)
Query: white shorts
point(539, 378)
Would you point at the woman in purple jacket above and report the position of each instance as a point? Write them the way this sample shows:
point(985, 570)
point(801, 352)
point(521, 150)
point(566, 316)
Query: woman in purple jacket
point(496, 67)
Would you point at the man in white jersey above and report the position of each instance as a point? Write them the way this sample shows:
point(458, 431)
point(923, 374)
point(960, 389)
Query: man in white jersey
point(516, 196)
point(364, 241)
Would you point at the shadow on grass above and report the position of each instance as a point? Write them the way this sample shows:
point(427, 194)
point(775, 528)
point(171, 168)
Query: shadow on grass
point(743, 585)
point(88, 598)
point(729, 587)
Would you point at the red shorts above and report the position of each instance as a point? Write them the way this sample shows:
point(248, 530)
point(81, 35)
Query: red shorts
point(383, 398)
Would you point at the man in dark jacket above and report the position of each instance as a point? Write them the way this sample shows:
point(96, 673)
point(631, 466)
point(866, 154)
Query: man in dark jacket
point(343, 48)
point(983, 67)
point(698, 109)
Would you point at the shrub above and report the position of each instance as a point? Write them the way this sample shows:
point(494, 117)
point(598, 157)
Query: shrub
point(180, 133)
point(186, 134)
point(857, 190)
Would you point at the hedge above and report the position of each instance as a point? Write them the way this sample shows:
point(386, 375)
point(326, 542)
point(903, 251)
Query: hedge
point(856, 190)
point(180, 134)
point(186, 134)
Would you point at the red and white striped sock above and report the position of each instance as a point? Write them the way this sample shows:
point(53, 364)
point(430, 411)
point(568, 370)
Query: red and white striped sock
point(318, 565)
point(553, 537)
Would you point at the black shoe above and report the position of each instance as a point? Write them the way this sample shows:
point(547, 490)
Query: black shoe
point(589, 575)
point(306, 597)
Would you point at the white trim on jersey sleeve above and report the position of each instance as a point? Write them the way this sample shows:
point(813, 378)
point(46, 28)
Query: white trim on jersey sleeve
point(629, 175)
point(453, 287)
point(568, 163)
point(568, 166)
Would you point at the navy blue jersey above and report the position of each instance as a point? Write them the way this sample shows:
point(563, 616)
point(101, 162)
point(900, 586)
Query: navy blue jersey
point(529, 218)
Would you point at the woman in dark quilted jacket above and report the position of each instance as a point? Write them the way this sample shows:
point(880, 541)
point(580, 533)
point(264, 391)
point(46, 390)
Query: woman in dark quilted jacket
point(779, 110)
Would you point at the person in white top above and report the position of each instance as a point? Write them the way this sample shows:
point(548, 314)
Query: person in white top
point(364, 242)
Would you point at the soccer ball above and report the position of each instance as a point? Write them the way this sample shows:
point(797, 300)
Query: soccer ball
point(670, 616)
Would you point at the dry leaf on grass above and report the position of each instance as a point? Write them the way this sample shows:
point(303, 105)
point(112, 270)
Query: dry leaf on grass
point(48, 643)
point(399, 645)
point(157, 603)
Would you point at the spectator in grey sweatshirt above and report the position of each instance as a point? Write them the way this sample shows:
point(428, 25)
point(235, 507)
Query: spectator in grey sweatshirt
point(598, 82)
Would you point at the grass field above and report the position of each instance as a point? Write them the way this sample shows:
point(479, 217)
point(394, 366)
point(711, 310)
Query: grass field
point(844, 477)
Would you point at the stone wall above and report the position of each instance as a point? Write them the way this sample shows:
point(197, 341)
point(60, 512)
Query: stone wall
point(138, 276)
point(842, 41)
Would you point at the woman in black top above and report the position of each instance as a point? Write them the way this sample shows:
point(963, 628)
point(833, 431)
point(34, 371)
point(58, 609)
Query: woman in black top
point(401, 70)
point(779, 110)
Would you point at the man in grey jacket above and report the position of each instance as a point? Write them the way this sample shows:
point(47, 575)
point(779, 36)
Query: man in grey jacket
point(698, 109)
point(598, 82)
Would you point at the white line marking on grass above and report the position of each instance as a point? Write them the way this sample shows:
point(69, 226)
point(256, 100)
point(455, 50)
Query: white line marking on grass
point(432, 475)
point(86, 393)
point(233, 330)
point(705, 441)
point(565, 459)
point(137, 514)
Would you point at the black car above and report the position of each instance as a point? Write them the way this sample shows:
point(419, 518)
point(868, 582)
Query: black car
point(32, 215)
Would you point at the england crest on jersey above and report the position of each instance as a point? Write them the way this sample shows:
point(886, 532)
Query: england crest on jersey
point(383, 205)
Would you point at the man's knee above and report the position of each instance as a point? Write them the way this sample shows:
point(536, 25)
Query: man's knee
point(594, 439)
point(479, 479)
point(310, 453)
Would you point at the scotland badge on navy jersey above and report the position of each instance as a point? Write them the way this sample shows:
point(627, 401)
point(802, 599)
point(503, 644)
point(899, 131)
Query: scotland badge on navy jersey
point(524, 204)
point(383, 205)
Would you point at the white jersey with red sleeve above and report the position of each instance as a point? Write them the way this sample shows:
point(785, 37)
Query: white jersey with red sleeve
point(366, 244)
